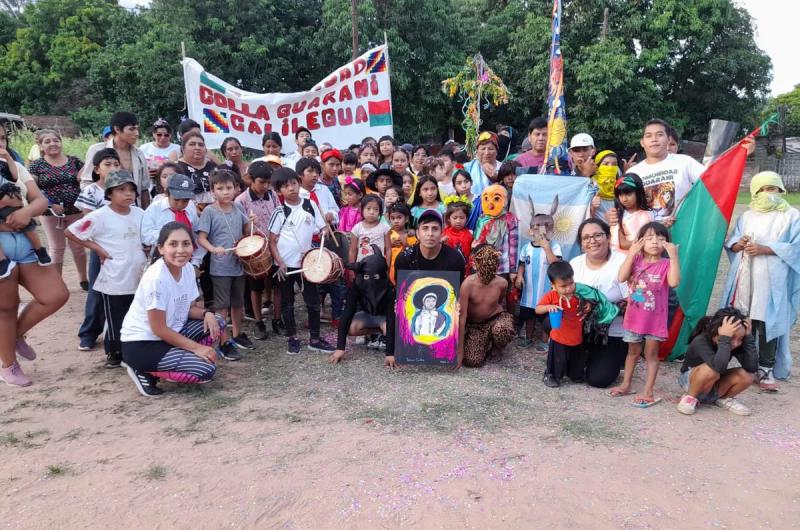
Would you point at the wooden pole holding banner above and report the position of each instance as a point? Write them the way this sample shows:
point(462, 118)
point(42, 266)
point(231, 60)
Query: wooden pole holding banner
point(354, 19)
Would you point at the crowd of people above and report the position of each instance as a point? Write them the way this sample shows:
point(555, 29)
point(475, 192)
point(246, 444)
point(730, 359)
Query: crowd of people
point(163, 223)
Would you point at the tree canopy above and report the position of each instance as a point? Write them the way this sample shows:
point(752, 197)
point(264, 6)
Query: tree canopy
point(686, 62)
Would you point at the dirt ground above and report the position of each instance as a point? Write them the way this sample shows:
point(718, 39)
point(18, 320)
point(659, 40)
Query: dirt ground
point(292, 442)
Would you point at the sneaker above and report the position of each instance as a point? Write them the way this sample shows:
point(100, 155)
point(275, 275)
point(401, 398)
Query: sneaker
point(293, 347)
point(24, 350)
point(541, 347)
point(277, 326)
point(228, 352)
point(766, 381)
point(113, 360)
point(43, 257)
point(243, 341)
point(524, 342)
point(382, 342)
point(14, 376)
point(360, 341)
point(145, 383)
point(85, 286)
point(6, 266)
point(320, 345)
point(373, 342)
point(550, 381)
point(87, 344)
point(248, 315)
point(733, 405)
point(687, 405)
point(261, 331)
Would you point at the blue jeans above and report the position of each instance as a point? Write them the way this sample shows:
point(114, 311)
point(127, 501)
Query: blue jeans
point(94, 319)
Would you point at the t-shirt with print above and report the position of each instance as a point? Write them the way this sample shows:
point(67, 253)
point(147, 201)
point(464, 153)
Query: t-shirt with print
point(120, 236)
point(646, 312)
point(158, 289)
point(571, 331)
point(376, 235)
point(296, 231)
point(223, 229)
point(91, 198)
point(632, 223)
point(606, 280)
point(158, 156)
point(202, 180)
point(666, 183)
point(535, 282)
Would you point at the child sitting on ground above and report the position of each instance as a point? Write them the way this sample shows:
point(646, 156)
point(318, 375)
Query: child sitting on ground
point(705, 376)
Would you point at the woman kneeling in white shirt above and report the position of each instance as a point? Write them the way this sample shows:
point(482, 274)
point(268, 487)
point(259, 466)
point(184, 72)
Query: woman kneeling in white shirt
point(167, 334)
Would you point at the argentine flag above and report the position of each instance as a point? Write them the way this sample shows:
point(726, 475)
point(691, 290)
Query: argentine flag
point(574, 195)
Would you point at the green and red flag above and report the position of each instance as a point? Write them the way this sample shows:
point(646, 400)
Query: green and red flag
point(700, 228)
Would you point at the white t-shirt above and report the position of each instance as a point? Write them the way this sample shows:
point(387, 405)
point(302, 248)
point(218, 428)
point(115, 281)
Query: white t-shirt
point(666, 183)
point(535, 282)
point(159, 290)
point(604, 280)
point(158, 156)
point(120, 236)
point(296, 231)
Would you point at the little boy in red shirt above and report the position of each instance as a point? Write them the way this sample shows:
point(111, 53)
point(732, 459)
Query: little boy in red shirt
point(565, 355)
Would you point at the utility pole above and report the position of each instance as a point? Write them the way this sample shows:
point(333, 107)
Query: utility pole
point(354, 18)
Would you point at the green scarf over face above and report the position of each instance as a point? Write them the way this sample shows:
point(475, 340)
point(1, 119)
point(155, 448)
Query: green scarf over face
point(763, 201)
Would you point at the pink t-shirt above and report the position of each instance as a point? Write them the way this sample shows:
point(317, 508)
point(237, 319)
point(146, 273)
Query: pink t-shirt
point(632, 222)
point(349, 217)
point(646, 313)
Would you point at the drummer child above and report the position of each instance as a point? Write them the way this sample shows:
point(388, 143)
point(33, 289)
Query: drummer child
point(291, 229)
point(221, 225)
point(260, 201)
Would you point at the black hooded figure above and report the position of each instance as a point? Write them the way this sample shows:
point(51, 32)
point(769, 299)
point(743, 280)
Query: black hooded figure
point(367, 299)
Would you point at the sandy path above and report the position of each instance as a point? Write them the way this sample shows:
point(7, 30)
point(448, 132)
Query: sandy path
point(273, 443)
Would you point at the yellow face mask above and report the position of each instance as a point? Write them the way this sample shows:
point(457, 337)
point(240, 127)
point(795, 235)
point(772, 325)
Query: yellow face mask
point(769, 201)
point(605, 177)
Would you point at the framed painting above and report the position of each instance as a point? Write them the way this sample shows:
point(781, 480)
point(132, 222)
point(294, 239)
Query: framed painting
point(427, 322)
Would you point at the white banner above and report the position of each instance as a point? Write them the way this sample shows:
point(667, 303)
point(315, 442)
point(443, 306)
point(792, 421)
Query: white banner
point(353, 102)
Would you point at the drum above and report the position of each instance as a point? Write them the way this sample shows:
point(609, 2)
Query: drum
point(253, 252)
point(320, 265)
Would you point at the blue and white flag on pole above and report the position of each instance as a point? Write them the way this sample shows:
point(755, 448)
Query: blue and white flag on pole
point(574, 196)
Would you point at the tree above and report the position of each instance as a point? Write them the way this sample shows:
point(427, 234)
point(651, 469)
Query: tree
point(790, 102)
point(44, 68)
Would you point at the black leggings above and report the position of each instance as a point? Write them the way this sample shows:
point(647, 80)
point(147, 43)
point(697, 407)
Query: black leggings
point(603, 363)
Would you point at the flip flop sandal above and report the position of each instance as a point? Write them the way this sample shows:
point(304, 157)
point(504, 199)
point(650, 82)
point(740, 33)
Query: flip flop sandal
point(611, 393)
point(645, 404)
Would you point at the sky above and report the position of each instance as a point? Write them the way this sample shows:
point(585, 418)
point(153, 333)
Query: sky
point(776, 25)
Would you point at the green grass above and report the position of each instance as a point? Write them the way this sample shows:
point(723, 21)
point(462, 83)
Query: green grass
point(57, 470)
point(155, 472)
point(792, 198)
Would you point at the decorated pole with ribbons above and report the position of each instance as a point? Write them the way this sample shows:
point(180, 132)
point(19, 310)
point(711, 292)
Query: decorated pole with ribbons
point(556, 148)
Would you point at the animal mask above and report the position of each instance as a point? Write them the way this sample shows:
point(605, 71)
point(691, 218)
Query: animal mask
point(542, 224)
point(493, 200)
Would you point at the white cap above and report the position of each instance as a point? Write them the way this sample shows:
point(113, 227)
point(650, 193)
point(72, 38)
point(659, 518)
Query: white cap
point(581, 140)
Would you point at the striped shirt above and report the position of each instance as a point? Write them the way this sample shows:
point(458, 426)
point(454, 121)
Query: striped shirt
point(91, 198)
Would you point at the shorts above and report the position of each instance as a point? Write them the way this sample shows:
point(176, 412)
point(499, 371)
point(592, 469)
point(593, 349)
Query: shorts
point(529, 313)
point(17, 247)
point(368, 320)
point(633, 337)
point(683, 382)
point(228, 292)
point(255, 284)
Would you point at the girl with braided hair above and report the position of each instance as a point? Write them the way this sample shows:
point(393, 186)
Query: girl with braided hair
point(484, 327)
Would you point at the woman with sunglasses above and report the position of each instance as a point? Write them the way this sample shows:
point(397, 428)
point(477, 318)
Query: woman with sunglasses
point(57, 176)
point(598, 267)
point(159, 150)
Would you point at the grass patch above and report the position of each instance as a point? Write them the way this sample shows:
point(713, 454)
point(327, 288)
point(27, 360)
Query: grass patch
point(792, 198)
point(22, 141)
point(74, 434)
point(594, 430)
point(57, 470)
point(155, 472)
point(25, 441)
